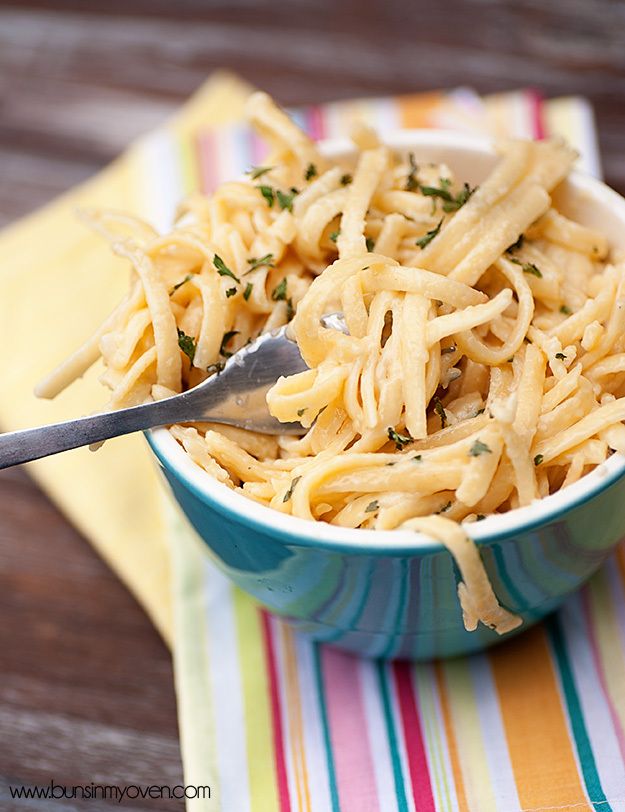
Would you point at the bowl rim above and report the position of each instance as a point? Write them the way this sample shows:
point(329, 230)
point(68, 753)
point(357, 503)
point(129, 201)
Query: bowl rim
point(304, 532)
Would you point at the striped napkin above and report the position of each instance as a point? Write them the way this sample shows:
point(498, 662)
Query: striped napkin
point(271, 721)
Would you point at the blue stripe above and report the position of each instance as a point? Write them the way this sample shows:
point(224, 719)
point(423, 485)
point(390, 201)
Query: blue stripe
point(402, 803)
point(336, 807)
point(576, 719)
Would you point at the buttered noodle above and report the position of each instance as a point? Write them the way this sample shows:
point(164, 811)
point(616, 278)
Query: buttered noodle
point(483, 363)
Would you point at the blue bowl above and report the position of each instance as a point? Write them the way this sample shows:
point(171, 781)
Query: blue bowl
point(393, 593)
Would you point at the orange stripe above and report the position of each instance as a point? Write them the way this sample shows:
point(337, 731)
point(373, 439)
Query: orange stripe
point(295, 718)
point(416, 111)
point(452, 746)
point(540, 748)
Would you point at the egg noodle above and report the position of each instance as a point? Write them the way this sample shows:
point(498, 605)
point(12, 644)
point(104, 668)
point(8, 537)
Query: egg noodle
point(483, 363)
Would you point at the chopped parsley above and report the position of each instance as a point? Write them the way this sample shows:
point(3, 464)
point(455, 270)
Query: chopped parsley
point(460, 199)
point(215, 368)
point(561, 356)
point(528, 267)
point(346, 179)
point(412, 182)
point(566, 311)
point(181, 283)
point(311, 172)
point(440, 411)
point(231, 292)
point(400, 440)
point(445, 508)
point(227, 337)
point(538, 459)
point(480, 517)
point(478, 448)
point(429, 235)
point(268, 193)
point(450, 202)
point(289, 493)
point(300, 412)
point(279, 292)
point(222, 268)
point(290, 310)
point(259, 262)
point(372, 506)
point(370, 244)
point(248, 291)
point(334, 235)
point(285, 199)
point(417, 458)
point(258, 171)
point(186, 344)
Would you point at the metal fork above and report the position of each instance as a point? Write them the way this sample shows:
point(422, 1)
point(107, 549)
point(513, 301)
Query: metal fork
point(235, 396)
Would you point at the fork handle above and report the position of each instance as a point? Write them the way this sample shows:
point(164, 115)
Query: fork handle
point(32, 444)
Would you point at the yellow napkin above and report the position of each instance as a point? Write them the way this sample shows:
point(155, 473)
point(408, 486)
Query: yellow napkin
point(58, 281)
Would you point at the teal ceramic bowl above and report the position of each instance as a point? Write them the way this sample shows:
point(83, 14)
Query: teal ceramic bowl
point(393, 593)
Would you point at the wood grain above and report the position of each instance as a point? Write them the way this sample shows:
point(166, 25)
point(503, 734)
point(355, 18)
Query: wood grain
point(85, 684)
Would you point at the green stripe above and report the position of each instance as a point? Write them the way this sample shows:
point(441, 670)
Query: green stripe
point(402, 803)
point(578, 726)
point(326, 730)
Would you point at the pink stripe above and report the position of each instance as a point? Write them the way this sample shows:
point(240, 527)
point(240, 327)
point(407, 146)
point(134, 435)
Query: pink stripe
point(206, 149)
point(278, 740)
point(413, 739)
point(536, 111)
point(315, 123)
point(596, 656)
point(348, 732)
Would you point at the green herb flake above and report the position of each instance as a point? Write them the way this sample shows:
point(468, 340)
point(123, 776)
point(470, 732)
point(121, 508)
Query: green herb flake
point(289, 493)
point(372, 506)
point(346, 179)
point(268, 193)
point(186, 344)
point(248, 291)
point(566, 311)
point(412, 182)
point(479, 448)
point(440, 411)
point(279, 292)
point(285, 199)
point(417, 458)
point(460, 199)
point(290, 309)
point(300, 412)
point(334, 235)
point(227, 337)
point(528, 267)
point(444, 508)
point(400, 440)
point(427, 238)
point(181, 283)
point(311, 172)
point(538, 459)
point(516, 245)
point(222, 268)
point(561, 356)
point(480, 517)
point(260, 262)
point(215, 368)
point(258, 171)
point(231, 292)
point(370, 244)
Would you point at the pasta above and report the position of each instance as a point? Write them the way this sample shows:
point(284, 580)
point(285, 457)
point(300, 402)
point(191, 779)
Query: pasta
point(483, 362)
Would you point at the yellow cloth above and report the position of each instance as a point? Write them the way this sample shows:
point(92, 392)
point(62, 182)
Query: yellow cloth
point(57, 283)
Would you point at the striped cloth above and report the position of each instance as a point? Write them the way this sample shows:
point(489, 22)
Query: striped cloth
point(275, 722)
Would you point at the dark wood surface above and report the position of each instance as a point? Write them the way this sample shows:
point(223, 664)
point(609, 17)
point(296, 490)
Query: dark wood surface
point(85, 683)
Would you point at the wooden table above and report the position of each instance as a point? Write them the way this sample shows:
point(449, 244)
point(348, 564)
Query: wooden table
point(85, 684)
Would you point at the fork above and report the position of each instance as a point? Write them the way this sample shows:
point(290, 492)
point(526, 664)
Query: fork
point(235, 396)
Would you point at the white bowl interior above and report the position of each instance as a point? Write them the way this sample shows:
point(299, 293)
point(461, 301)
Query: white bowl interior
point(471, 158)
